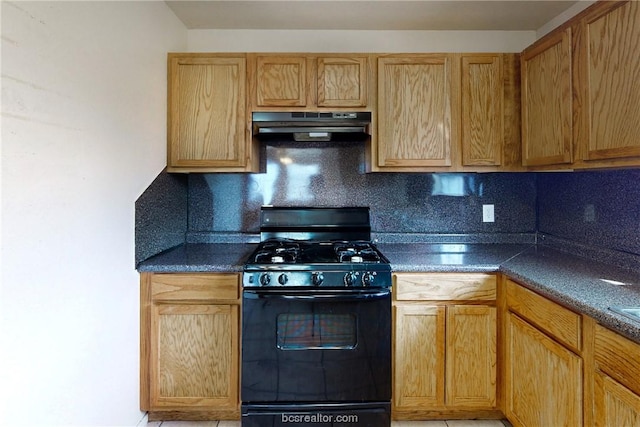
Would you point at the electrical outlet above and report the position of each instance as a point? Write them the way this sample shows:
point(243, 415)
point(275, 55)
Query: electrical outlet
point(589, 213)
point(488, 213)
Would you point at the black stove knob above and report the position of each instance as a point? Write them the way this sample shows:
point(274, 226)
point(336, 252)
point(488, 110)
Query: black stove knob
point(367, 278)
point(265, 279)
point(283, 279)
point(350, 278)
point(317, 278)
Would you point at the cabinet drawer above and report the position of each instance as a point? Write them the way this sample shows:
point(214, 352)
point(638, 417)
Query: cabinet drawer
point(192, 287)
point(618, 357)
point(444, 287)
point(561, 323)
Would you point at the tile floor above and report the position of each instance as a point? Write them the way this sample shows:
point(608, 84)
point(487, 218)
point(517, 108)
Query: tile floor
point(449, 423)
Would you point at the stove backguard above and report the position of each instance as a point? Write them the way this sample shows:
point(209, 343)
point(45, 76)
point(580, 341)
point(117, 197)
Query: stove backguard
point(315, 223)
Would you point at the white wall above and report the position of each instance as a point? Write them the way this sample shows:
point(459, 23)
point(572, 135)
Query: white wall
point(357, 41)
point(83, 134)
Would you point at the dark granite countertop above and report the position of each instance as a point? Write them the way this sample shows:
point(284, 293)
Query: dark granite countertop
point(449, 257)
point(200, 257)
point(584, 285)
point(581, 284)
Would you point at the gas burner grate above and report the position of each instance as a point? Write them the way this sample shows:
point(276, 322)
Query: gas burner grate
point(277, 252)
point(356, 252)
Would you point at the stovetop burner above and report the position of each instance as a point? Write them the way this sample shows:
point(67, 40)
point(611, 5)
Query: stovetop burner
point(356, 252)
point(276, 251)
point(310, 247)
point(285, 251)
point(277, 263)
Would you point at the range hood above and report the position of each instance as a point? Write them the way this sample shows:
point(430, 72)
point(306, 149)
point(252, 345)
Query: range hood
point(311, 126)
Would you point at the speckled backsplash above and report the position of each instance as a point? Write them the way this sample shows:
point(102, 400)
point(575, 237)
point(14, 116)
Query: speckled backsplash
point(595, 208)
point(333, 175)
point(161, 215)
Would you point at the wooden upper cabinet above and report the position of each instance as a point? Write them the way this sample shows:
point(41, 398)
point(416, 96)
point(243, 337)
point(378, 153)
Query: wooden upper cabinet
point(342, 81)
point(281, 81)
point(207, 123)
point(482, 130)
point(414, 111)
point(547, 127)
point(610, 56)
point(308, 81)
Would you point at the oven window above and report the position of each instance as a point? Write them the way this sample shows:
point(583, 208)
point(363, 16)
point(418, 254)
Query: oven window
point(323, 331)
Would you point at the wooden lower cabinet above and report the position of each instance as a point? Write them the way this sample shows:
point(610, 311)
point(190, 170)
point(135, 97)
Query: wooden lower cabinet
point(543, 378)
point(615, 405)
point(471, 356)
point(444, 357)
point(190, 346)
point(617, 379)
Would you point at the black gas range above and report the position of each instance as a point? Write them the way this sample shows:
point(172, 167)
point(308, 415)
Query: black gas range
point(316, 325)
point(317, 263)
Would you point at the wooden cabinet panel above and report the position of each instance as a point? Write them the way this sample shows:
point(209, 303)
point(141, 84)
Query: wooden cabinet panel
point(342, 81)
point(196, 287)
point(309, 81)
point(414, 111)
point(194, 357)
point(547, 121)
point(562, 324)
point(543, 379)
point(618, 357)
point(471, 356)
point(445, 354)
point(482, 101)
point(612, 93)
point(615, 405)
point(189, 345)
point(418, 356)
point(207, 113)
point(445, 286)
point(281, 81)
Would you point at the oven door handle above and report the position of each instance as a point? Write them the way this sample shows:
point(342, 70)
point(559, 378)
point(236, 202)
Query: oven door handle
point(317, 295)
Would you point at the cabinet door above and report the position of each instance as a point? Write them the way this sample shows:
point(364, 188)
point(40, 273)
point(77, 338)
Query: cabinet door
point(471, 356)
point(612, 95)
point(482, 110)
point(418, 356)
point(615, 405)
point(414, 111)
point(207, 109)
point(281, 81)
point(543, 379)
point(194, 356)
point(342, 82)
point(547, 128)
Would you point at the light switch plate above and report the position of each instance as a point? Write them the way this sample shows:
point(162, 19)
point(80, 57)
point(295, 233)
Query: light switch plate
point(488, 213)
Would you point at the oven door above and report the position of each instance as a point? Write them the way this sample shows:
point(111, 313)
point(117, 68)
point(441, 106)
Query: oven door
point(316, 346)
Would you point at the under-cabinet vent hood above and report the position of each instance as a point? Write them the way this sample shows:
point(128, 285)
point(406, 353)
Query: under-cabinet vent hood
point(311, 126)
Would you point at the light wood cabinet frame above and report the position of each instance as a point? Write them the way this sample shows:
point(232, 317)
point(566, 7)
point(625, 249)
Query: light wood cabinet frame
point(414, 110)
point(208, 124)
point(190, 346)
point(547, 113)
point(608, 61)
point(444, 346)
point(310, 82)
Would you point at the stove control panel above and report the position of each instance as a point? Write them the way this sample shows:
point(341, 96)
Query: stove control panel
point(354, 279)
